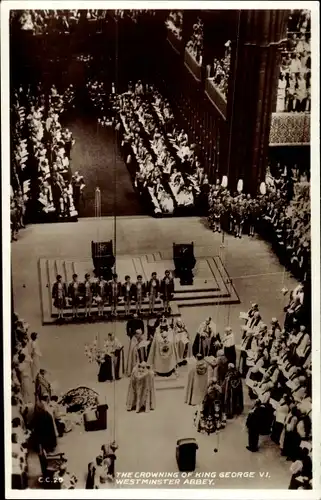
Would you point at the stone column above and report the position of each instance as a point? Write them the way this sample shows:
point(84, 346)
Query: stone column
point(252, 93)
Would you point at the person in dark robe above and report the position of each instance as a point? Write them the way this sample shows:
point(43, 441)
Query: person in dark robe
point(233, 392)
point(43, 425)
point(59, 294)
point(167, 290)
point(253, 427)
point(290, 439)
point(209, 418)
point(74, 290)
point(134, 324)
point(90, 480)
point(111, 360)
point(221, 368)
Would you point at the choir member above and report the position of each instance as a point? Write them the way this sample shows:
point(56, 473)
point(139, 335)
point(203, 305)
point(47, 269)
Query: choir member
point(128, 293)
point(167, 290)
point(87, 292)
point(114, 292)
point(139, 293)
point(59, 294)
point(74, 293)
point(100, 294)
point(153, 288)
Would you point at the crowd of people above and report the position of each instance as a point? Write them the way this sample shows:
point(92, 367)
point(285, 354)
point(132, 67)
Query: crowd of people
point(174, 23)
point(294, 87)
point(195, 44)
point(220, 69)
point(100, 293)
point(281, 213)
point(50, 21)
point(37, 418)
point(41, 148)
point(276, 364)
point(165, 167)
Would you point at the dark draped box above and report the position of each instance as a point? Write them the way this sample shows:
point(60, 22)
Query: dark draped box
point(290, 129)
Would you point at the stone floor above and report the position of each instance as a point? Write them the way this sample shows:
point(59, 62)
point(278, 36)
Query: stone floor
point(147, 441)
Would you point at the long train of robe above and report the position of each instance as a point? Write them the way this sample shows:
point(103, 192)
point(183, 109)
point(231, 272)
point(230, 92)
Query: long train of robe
point(141, 390)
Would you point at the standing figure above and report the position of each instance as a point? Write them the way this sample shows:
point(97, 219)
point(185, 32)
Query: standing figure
point(197, 382)
point(114, 292)
point(140, 292)
point(100, 293)
point(128, 293)
point(74, 294)
point(59, 294)
point(138, 351)
point(229, 345)
point(35, 355)
point(182, 341)
point(233, 392)
point(253, 427)
point(25, 378)
point(111, 360)
point(141, 390)
point(167, 290)
point(209, 418)
point(87, 293)
point(203, 339)
point(153, 287)
point(162, 355)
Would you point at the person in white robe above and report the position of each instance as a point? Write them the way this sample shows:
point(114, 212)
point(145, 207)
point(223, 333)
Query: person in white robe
point(182, 340)
point(35, 355)
point(163, 354)
point(25, 379)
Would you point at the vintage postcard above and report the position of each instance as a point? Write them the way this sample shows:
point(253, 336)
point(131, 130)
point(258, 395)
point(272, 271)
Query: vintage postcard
point(161, 278)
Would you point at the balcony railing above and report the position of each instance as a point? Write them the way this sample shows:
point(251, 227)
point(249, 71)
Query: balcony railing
point(217, 98)
point(192, 65)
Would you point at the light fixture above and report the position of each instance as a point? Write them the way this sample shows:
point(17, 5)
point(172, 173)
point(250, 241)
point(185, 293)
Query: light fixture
point(240, 186)
point(224, 181)
point(262, 188)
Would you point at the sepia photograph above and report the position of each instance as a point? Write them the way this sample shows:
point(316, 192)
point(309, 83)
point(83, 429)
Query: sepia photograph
point(161, 249)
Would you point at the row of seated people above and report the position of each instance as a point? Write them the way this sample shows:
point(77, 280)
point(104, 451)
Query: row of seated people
point(167, 167)
point(103, 293)
point(295, 71)
point(37, 422)
point(219, 71)
point(276, 364)
point(42, 167)
point(174, 23)
point(195, 44)
point(46, 21)
point(294, 86)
